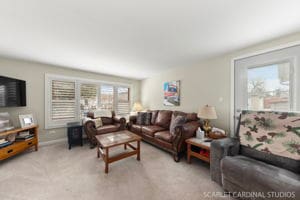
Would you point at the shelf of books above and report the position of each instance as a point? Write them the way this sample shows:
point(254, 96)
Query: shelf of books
point(18, 140)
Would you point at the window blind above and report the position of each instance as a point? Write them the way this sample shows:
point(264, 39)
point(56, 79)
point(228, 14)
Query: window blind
point(63, 104)
point(123, 103)
point(88, 98)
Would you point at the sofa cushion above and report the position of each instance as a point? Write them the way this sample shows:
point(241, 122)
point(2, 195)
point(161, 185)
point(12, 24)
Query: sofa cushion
point(163, 118)
point(176, 121)
point(107, 121)
point(153, 116)
point(108, 129)
point(150, 130)
point(275, 133)
point(253, 175)
point(136, 128)
point(189, 116)
point(164, 135)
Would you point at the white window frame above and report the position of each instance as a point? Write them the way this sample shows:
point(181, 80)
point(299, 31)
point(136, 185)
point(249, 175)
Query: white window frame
point(49, 124)
point(292, 91)
point(232, 75)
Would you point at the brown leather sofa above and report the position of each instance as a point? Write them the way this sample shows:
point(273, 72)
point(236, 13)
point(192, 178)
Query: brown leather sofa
point(158, 132)
point(110, 124)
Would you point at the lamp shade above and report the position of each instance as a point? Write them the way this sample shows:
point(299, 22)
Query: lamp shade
point(207, 112)
point(137, 107)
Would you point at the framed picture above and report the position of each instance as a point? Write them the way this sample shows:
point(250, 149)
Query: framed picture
point(26, 120)
point(172, 93)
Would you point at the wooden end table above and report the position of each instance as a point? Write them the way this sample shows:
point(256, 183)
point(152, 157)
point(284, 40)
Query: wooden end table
point(107, 141)
point(198, 143)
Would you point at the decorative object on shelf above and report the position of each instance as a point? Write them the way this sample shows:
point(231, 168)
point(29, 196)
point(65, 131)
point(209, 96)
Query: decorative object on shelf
point(26, 120)
point(172, 93)
point(74, 134)
point(5, 122)
point(200, 134)
point(217, 133)
point(207, 112)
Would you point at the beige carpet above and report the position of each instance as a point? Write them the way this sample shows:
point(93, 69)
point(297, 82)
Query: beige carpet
point(54, 172)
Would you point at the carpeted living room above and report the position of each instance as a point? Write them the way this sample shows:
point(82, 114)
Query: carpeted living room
point(134, 99)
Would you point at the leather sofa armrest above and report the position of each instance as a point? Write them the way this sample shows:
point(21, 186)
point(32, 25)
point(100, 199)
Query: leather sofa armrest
point(218, 150)
point(91, 131)
point(182, 133)
point(132, 119)
point(121, 121)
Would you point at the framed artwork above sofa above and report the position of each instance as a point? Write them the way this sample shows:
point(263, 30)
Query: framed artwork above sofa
point(172, 93)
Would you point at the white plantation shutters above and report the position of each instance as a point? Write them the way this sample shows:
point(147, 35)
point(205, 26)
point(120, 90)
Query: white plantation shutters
point(115, 98)
point(69, 99)
point(88, 98)
point(123, 103)
point(63, 102)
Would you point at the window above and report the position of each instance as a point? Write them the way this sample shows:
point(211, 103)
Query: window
point(88, 98)
point(115, 98)
point(269, 87)
point(267, 81)
point(123, 105)
point(69, 99)
point(62, 102)
point(106, 97)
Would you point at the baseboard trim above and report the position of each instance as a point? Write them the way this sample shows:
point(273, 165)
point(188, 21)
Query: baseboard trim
point(51, 142)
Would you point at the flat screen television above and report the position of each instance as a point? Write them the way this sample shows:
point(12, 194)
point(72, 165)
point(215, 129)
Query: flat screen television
point(12, 92)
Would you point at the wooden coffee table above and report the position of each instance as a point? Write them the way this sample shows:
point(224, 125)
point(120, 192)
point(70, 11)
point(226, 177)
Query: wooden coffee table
point(106, 141)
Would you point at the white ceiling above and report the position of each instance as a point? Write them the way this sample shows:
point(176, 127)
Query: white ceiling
point(138, 38)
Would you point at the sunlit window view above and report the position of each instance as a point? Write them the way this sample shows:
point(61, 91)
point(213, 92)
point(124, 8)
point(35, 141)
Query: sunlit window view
point(269, 87)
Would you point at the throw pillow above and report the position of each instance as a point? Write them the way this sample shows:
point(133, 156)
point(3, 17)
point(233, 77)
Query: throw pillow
point(98, 122)
point(144, 118)
point(140, 118)
point(176, 121)
point(148, 117)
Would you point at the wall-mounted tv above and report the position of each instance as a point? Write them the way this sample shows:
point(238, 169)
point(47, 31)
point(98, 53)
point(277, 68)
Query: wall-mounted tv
point(12, 92)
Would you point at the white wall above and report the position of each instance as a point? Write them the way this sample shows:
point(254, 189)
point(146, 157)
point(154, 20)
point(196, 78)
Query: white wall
point(34, 75)
point(208, 82)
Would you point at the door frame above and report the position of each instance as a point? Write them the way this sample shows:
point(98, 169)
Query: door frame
point(232, 72)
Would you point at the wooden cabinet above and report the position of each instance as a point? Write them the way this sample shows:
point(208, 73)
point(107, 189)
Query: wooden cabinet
point(19, 146)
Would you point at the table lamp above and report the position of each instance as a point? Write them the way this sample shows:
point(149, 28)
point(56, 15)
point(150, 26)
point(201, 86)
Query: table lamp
point(137, 107)
point(207, 112)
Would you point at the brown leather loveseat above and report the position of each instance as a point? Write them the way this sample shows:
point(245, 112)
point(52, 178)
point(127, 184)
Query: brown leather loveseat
point(110, 124)
point(158, 132)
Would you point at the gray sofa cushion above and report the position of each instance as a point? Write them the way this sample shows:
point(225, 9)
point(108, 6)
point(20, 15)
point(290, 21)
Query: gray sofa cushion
point(256, 176)
point(279, 161)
